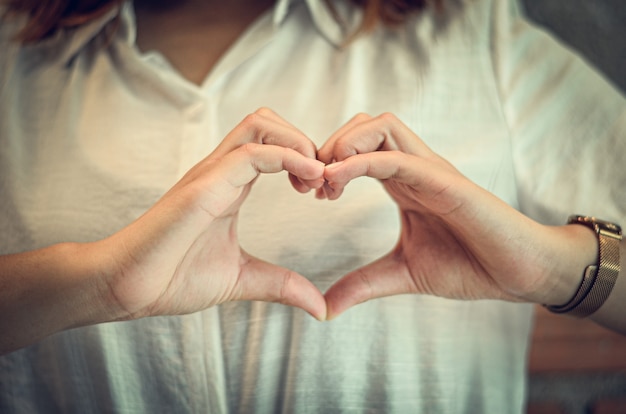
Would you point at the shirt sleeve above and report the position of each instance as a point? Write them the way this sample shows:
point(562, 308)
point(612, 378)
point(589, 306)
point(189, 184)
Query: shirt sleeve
point(567, 123)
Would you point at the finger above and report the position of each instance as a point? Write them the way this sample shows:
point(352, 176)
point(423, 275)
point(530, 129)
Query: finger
point(215, 185)
point(221, 182)
point(382, 133)
point(242, 166)
point(305, 146)
point(319, 193)
point(267, 112)
point(331, 193)
point(428, 177)
point(325, 153)
point(380, 165)
point(264, 281)
point(301, 185)
point(327, 156)
point(384, 277)
point(265, 127)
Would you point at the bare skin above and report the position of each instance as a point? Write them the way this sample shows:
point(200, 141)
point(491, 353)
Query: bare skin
point(165, 263)
point(457, 240)
point(181, 256)
point(194, 34)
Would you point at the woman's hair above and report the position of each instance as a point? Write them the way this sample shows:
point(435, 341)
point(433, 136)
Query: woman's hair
point(389, 12)
point(45, 17)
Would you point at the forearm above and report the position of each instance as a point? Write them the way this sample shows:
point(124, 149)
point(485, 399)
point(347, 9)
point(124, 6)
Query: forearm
point(49, 290)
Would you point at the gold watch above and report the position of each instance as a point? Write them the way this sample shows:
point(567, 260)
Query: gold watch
point(599, 279)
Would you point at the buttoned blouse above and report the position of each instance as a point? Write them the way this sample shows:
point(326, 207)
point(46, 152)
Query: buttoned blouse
point(93, 131)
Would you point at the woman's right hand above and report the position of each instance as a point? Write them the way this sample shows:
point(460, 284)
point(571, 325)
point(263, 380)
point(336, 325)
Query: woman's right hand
point(179, 257)
point(183, 254)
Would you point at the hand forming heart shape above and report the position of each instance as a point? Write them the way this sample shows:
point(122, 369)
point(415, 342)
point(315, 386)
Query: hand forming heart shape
point(457, 239)
point(183, 255)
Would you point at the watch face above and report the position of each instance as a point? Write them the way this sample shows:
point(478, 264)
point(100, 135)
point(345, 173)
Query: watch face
point(607, 226)
point(596, 224)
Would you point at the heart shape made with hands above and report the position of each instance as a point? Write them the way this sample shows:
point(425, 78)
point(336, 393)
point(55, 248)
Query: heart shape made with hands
point(442, 249)
point(449, 244)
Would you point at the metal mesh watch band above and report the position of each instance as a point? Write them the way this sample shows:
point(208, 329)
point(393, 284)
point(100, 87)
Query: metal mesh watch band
point(598, 280)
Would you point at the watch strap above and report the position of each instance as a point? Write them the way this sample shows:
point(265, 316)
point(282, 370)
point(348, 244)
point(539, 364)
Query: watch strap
point(598, 280)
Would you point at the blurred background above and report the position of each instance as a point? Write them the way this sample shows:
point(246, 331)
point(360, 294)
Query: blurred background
point(580, 368)
point(596, 28)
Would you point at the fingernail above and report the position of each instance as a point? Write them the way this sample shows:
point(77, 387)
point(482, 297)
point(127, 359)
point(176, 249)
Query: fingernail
point(322, 317)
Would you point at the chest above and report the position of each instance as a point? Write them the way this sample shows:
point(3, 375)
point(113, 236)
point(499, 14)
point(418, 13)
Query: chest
point(97, 142)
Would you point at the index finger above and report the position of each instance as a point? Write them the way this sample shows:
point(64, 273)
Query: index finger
point(428, 177)
point(365, 134)
point(241, 166)
point(264, 126)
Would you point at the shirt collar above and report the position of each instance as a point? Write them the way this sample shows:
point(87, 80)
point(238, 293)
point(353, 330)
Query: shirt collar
point(335, 26)
point(68, 43)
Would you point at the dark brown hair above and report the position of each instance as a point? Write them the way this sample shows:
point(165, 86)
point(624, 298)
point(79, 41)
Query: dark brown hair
point(391, 12)
point(47, 16)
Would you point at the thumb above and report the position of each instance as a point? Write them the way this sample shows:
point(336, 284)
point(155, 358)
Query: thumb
point(260, 280)
point(386, 276)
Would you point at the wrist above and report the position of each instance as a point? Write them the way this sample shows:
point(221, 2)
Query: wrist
point(96, 270)
point(49, 290)
point(82, 288)
point(574, 248)
point(582, 253)
point(599, 279)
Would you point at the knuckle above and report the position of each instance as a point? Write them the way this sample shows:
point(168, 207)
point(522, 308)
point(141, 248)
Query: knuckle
point(251, 121)
point(283, 295)
point(250, 149)
point(366, 290)
point(264, 111)
point(362, 116)
point(308, 149)
point(388, 117)
point(252, 125)
point(345, 150)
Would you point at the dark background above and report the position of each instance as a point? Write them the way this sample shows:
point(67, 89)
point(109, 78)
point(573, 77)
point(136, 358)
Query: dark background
point(596, 28)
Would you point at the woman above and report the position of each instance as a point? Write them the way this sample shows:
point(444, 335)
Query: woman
point(134, 165)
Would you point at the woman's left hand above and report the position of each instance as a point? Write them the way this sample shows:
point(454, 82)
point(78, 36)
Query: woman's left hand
point(457, 239)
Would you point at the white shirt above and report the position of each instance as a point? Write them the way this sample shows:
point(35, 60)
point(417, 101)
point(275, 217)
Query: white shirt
point(91, 135)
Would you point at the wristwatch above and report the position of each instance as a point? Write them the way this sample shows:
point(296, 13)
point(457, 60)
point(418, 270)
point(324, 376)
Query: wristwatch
point(599, 279)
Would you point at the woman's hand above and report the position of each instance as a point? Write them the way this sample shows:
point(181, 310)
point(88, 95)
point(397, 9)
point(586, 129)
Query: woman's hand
point(183, 255)
point(457, 239)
